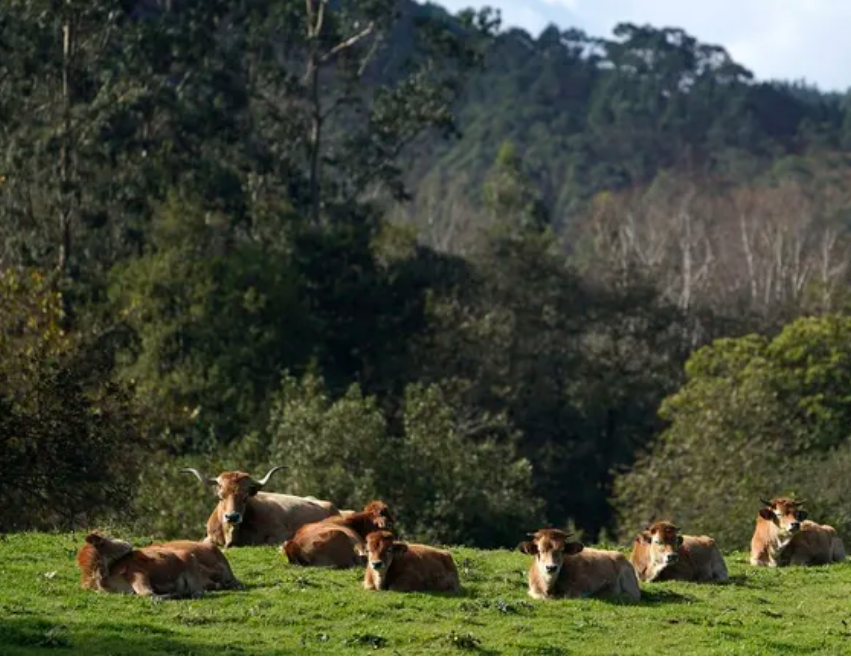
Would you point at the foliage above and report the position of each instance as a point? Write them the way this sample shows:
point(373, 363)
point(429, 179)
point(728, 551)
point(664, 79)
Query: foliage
point(336, 449)
point(603, 113)
point(757, 418)
point(207, 323)
point(460, 479)
point(215, 189)
point(450, 474)
point(290, 609)
point(70, 436)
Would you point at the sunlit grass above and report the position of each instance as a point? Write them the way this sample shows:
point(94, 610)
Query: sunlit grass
point(286, 609)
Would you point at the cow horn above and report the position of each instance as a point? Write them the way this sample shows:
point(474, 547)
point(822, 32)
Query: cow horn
point(201, 478)
point(766, 502)
point(265, 480)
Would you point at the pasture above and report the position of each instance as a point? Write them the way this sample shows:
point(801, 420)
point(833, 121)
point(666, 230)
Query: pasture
point(286, 609)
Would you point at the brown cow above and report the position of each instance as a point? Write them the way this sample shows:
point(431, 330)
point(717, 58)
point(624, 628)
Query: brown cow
point(783, 536)
point(247, 516)
point(171, 570)
point(661, 553)
point(564, 568)
point(338, 541)
point(396, 566)
point(212, 563)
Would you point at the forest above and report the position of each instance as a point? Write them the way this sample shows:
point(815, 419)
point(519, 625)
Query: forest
point(493, 279)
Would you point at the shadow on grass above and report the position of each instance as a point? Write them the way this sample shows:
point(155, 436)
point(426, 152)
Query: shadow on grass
point(653, 598)
point(734, 580)
point(43, 636)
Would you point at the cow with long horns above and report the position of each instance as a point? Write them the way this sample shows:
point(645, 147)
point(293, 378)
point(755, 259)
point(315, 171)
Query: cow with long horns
point(245, 515)
point(783, 536)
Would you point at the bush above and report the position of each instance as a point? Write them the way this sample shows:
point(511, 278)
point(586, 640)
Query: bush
point(69, 436)
point(450, 475)
point(458, 476)
point(756, 418)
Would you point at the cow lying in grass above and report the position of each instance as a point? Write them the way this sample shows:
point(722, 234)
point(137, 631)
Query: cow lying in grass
point(397, 566)
point(564, 568)
point(338, 541)
point(661, 553)
point(783, 536)
point(245, 515)
point(178, 569)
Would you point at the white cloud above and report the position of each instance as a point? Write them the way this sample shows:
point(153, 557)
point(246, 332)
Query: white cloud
point(790, 39)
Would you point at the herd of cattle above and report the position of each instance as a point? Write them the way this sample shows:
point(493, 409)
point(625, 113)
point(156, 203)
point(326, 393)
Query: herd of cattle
point(314, 532)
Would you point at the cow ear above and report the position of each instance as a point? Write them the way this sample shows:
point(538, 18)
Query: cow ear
point(400, 548)
point(528, 547)
point(766, 514)
point(254, 489)
point(802, 515)
point(94, 539)
point(573, 548)
point(679, 541)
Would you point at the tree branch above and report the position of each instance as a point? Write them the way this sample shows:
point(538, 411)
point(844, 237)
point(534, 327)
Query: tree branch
point(348, 43)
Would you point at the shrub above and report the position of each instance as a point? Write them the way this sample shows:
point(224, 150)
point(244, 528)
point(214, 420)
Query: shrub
point(451, 475)
point(68, 434)
point(756, 418)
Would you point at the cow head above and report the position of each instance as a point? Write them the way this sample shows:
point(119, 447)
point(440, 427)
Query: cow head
point(97, 556)
point(663, 542)
point(785, 513)
point(550, 547)
point(380, 514)
point(381, 548)
point(109, 549)
point(233, 489)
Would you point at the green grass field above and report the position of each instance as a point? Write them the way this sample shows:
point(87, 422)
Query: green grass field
point(286, 609)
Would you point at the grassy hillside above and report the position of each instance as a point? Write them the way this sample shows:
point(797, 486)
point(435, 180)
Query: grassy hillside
point(286, 609)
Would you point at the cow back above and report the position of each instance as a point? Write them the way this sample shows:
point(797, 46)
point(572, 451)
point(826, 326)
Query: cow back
point(698, 560)
point(325, 544)
point(813, 544)
point(276, 517)
point(591, 572)
point(423, 568)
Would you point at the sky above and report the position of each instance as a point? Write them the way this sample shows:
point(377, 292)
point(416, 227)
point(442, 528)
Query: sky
point(775, 39)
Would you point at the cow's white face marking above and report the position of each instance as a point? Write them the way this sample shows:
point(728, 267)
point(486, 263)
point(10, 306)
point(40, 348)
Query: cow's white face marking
point(550, 563)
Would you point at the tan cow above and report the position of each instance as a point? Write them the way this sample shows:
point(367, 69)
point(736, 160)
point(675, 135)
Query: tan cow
point(213, 564)
point(783, 536)
point(170, 570)
point(396, 566)
point(660, 553)
point(564, 568)
point(338, 541)
point(247, 516)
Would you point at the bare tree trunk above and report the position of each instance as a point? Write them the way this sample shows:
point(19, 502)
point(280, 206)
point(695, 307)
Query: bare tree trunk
point(66, 202)
point(746, 247)
point(315, 18)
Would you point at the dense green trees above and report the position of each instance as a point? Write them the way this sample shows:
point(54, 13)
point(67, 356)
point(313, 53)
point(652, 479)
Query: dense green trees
point(590, 114)
point(757, 418)
point(209, 258)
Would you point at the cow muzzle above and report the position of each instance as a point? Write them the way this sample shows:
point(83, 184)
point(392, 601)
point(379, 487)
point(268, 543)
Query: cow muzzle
point(551, 568)
point(793, 527)
point(671, 558)
point(377, 565)
point(233, 518)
